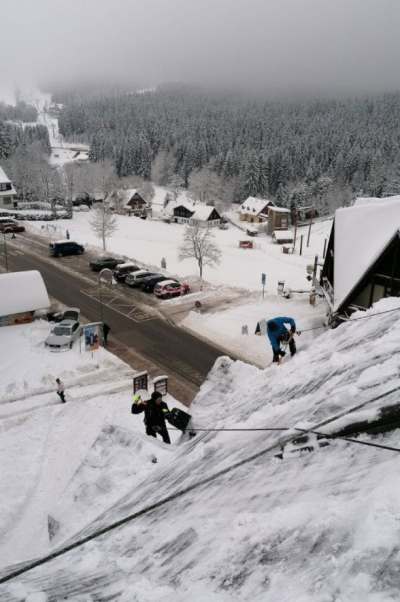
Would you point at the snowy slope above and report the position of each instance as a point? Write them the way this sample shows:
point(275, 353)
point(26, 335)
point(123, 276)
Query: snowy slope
point(321, 527)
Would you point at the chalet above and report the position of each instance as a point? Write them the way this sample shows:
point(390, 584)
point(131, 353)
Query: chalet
point(201, 215)
point(255, 210)
point(129, 201)
point(8, 195)
point(278, 219)
point(362, 263)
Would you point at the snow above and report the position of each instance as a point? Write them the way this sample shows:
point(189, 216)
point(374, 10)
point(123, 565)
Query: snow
point(253, 205)
point(148, 241)
point(313, 527)
point(361, 234)
point(3, 178)
point(22, 292)
point(283, 235)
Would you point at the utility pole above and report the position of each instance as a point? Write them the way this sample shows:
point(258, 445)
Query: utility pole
point(296, 221)
point(309, 229)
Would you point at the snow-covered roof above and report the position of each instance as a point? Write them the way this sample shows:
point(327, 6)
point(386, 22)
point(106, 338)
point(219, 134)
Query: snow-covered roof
point(253, 205)
point(202, 212)
point(3, 177)
point(279, 210)
point(124, 196)
point(21, 292)
point(361, 234)
point(374, 200)
point(283, 235)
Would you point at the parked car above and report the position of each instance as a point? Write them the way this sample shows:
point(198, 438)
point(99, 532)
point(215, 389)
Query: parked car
point(166, 289)
point(11, 226)
point(65, 247)
point(105, 262)
point(135, 278)
point(150, 282)
point(122, 270)
point(71, 313)
point(63, 335)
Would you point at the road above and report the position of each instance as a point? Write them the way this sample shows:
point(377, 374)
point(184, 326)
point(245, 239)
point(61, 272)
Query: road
point(156, 341)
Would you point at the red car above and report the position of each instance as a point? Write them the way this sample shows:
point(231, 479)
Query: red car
point(11, 227)
point(170, 288)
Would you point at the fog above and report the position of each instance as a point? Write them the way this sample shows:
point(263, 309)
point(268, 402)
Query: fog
point(317, 46)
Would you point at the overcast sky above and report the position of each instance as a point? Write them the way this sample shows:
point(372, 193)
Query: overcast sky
point(342, 46)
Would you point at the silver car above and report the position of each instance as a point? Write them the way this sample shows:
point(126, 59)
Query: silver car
point(63, 336)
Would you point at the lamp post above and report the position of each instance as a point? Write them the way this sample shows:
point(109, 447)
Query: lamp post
point(8, 229)
point(104, 271)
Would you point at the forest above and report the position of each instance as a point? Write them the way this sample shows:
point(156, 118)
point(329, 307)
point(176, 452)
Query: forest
point(296, 151)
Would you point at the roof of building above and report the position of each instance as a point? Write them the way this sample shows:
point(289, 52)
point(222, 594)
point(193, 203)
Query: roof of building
point(3, 178)
point(21, 292)
point(254, 205)
point(279, 210)
point(122, 195)
point(283, 235)
point(200, 212)
point(362, 232)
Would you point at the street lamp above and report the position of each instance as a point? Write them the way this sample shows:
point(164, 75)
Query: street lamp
point(104, 271)
point(8, 229)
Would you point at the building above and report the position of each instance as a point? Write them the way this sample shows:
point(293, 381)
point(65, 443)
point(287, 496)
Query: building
point(21, 294)
point(283, 237)
point(255, 210)
point(199, 215)
point(8, 195)
point(362, 263)
point(129, 201)
point(278, 219)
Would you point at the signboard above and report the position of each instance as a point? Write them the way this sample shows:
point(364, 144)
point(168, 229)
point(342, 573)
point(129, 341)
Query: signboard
point(161, 384)
point(15, 319)
point(92, 334)
point(263, 279)
point(139, 381)
point(245, 330)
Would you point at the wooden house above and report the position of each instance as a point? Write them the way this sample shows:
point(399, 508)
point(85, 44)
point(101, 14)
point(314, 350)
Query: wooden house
point(255, 210)
point(278, 219)
point(8, 195)
point(201, 215)
point(128, 201)
point(362, 263)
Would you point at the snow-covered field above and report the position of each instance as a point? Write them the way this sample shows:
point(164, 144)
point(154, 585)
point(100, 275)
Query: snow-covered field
point(316, 527)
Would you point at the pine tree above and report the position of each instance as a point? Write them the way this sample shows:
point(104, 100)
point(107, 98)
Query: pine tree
point(5, 141)
point(251, 175)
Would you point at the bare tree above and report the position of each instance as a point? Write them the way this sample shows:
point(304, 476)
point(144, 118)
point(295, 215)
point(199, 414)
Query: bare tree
point(206, 185)
point(103, 224)
point(175, 185)
point(199, 243)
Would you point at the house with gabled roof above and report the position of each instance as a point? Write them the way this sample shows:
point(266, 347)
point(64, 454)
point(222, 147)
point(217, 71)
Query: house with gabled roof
point(129, 201)
point(362, 263)
point(8, 194)
point(254, 210)
point(194, 214)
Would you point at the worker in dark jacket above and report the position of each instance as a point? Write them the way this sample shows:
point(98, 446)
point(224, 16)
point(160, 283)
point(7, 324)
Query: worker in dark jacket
point(155, 412)
point(278, 334)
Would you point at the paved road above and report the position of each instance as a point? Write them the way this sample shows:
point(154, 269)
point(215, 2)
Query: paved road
point(175, 351)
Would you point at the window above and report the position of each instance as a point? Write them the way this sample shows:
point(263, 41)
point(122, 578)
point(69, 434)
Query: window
point(5, 186)
point(7, 200)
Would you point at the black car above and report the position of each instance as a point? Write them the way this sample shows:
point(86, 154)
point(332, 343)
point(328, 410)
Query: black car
point(149, 283)
point(105, 262)
point(123, 269)
point(65, 247)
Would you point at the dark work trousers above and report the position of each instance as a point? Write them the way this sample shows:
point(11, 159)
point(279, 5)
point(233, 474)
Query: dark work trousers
point(61, 396)
point(163, 432)
point(292, 345)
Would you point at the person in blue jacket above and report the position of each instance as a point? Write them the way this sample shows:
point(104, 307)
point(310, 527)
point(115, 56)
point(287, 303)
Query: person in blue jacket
point(278, 334)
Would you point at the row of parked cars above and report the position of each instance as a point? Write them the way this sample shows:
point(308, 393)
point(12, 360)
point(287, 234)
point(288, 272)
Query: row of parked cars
point(148, 281)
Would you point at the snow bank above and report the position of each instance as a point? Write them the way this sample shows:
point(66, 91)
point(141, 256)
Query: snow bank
point(21, 292)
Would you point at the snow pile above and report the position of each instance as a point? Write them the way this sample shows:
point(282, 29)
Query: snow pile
point(21, 292)
point(321, 527)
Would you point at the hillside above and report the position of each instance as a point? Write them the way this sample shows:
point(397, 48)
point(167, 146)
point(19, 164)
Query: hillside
point(311, 527)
